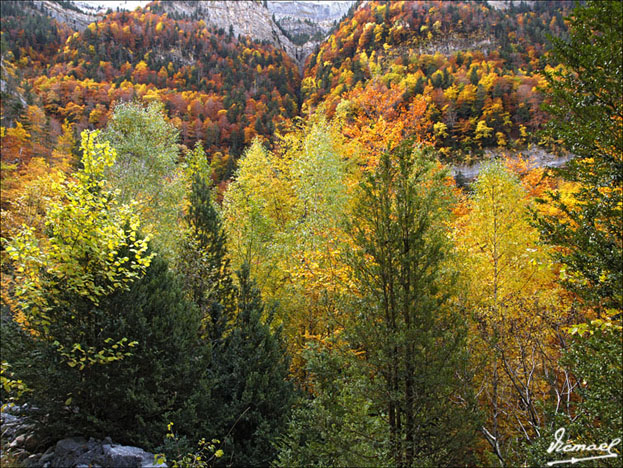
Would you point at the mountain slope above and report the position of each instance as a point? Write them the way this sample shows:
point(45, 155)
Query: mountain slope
point(217, 88)
point(473, 70)
point(244, 17)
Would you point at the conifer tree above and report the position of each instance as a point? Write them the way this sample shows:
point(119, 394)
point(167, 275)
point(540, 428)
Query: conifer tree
point(247, 397)
point(101, 333)
point(587, 105)
point(413, 341)
point(253, 381)
point(204, 262)
point(586, 97)
point(132, 397)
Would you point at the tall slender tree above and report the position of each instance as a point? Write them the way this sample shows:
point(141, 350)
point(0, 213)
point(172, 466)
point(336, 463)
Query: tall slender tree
point(204, 263)
point(251, 383)
point(405, 324)
point(245, 396)
point(587, 104)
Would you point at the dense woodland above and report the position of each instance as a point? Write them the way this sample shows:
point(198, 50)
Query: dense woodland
point(208, 256)
point(472, 69)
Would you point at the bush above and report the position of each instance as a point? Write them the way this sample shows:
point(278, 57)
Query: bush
point(130, 399)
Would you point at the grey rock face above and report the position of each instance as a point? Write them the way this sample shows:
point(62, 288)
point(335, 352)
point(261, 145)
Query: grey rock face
point(247, 18)
point(68, 451)
point(77, 452)
point(75, 19)
point(322, 12)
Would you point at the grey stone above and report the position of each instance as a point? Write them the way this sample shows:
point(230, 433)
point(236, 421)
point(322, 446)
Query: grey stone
point(7, 418)
point(122, 457)
point(47, 456)
point(95, 455)
point(18, 441)
point(33, 460)
point(67, 451)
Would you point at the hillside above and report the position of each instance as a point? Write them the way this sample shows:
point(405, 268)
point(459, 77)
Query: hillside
point(464, 76)
point(475, 69)
point(402, 251)
point(218, 88)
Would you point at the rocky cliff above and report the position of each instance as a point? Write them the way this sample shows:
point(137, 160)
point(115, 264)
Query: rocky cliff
point(322, 13)
point(306, 20)
point(73, 16)
point(247, 18)
point(308, 23)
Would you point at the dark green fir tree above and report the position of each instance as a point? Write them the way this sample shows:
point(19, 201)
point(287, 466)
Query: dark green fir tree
point(251, 386)
point(131, 399)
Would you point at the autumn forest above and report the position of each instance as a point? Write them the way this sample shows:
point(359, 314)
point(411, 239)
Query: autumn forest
point(405, 250)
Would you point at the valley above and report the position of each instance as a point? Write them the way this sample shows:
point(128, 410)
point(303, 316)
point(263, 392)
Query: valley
point(309, 233)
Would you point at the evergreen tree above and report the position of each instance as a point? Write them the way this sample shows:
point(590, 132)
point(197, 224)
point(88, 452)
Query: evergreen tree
point(414, 342)
point(100, 333)
point(249, 392)
point(132, 398)
point(245, 397)
point(587, 105)
point(339, 425)
point(204, 263)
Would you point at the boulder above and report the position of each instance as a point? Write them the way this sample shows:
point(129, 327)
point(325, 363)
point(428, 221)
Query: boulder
point(77, 452)
point(124, 457)
point(68, 451)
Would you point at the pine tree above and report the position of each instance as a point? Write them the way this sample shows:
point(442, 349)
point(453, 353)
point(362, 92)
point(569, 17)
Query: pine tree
point(204, 263)
point(587, 106)
point(132, 398)
point(245, 397)
point(413, 341)
point(100, 333)
point(249, 392)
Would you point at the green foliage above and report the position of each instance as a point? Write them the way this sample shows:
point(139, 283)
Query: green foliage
point(146, 169)
point(402, 314)
point(203, 261)
point(10, 388)
point(178, 454)
point(245, 392)
point(598, 416)
point(131, 398)
point(587, 103)
point(338, 425)
point(248, 395)
point(79, 252)
point(599, 382)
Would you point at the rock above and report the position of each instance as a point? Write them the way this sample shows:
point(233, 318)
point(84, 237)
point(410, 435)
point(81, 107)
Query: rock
point(33, 460)
point(68, 451)
point(18, 441)
point(124, 457)
point(47, 456)
point(78, 452)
